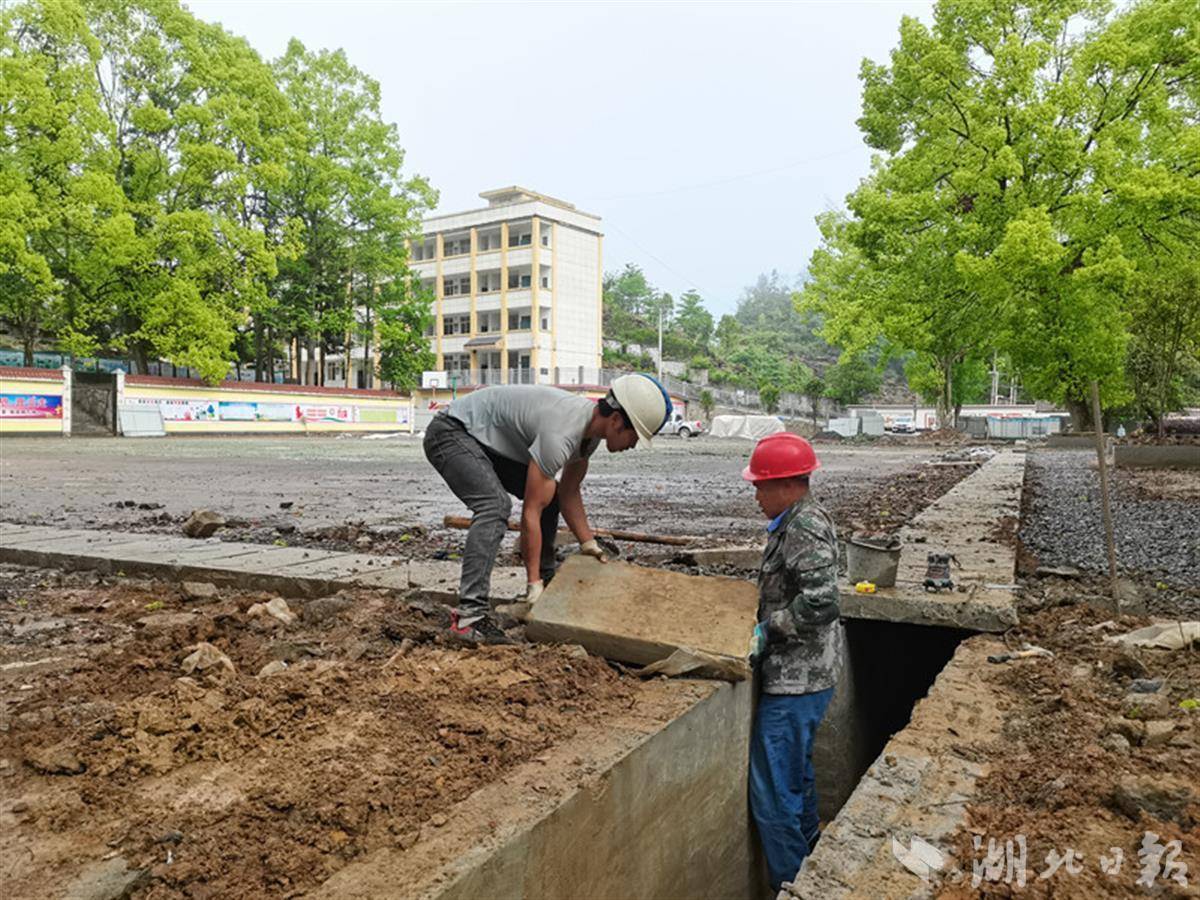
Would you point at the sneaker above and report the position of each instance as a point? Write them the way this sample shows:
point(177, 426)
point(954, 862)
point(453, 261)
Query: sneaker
point(476, 629)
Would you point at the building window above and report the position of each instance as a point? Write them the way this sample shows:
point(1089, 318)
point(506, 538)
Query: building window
point(520, 240)
point(545, 323)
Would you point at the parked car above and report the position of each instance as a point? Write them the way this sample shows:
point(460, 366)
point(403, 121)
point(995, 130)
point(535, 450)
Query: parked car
point(685, 428)
point(903, 426)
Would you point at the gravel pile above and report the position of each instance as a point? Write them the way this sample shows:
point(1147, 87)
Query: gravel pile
point(1157, 538)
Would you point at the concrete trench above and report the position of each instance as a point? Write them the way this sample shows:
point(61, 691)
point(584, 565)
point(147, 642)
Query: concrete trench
point(656, 808)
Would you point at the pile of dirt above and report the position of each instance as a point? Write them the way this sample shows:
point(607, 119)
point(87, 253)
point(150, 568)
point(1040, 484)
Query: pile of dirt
point(1101, 745)
point(354, 727)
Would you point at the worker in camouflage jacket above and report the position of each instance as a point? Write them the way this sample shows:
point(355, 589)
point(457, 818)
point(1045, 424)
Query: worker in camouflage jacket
point(796, 649)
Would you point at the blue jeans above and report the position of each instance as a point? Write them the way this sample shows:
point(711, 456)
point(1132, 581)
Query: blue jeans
point(783, 791)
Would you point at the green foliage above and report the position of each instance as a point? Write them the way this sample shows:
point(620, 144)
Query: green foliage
point(1163, 360)
point(851, 380)
point(707, 403)
point(768, 394)
point(1034, 156)
point(149, 172)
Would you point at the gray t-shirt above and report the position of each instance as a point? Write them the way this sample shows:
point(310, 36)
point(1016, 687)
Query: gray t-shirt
point(528, 422)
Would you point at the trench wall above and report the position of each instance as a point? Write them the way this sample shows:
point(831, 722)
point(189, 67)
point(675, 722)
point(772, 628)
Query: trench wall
point(671, 822)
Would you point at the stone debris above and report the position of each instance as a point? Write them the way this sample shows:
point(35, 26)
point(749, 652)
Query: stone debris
point(274, 667)
point(109, 879)
point(276, 608)
point(199, 590)
point(1162, 797)
point(57, 759)
point(204, 657)
point(203, 523)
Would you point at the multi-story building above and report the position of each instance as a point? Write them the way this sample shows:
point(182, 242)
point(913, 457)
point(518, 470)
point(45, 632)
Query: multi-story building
point(517, 289)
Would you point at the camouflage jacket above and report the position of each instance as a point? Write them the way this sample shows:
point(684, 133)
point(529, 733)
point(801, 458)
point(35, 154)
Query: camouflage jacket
point(798, 600)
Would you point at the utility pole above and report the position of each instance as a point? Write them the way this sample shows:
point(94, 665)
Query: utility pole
point(660, 312)
point(1105, 507)
point(995, 380)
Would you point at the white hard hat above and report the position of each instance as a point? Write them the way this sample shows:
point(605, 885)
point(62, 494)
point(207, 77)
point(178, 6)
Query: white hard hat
point(644, 401)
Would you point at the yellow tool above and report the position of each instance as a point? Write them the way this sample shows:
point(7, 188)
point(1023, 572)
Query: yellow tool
point(865, 587)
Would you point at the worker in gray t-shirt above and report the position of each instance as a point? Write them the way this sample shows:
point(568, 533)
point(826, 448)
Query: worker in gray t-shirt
point(518, 439)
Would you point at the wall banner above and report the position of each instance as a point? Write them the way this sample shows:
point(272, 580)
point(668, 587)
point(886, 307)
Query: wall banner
point(30, 406)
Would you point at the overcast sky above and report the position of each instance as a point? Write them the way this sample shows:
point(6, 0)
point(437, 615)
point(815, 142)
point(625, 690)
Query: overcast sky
point(706, 135)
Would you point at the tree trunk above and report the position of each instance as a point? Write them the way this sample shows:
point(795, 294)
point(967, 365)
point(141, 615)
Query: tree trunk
point(945, 404)
point(258, 351)
point(310, 361)
point(27, 342)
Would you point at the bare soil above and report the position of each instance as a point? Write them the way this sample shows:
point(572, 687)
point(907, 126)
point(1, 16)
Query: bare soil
point(1075, 767)
point(245, 785)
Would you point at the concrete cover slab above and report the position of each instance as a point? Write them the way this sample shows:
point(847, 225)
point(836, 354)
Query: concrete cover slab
point(966, 521)
point(640, 615)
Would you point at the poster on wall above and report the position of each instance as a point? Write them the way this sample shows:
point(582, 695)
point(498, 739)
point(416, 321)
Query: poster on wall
point(276, 412)
point(343, 414)
point(30, 406)
point(389, 415)
point(234, 411)
point(182, 410)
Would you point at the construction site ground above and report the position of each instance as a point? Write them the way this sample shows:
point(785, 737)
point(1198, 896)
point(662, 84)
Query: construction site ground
point(116, 763)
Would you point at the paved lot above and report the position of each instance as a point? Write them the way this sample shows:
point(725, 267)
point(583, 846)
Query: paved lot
point(681, 486)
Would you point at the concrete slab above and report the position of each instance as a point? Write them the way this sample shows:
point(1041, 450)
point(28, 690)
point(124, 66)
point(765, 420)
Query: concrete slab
point(638, 615)
point(965, 522)
point(1149, 456)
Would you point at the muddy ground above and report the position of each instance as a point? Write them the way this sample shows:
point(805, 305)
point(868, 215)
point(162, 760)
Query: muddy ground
point(1100, 747)
point(366, 728)
point(382, 496)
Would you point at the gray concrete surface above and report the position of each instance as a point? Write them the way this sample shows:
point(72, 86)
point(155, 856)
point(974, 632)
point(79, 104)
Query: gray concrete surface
point(963, 522)
point(665, 816)
point(680, 486)
point(290, 571)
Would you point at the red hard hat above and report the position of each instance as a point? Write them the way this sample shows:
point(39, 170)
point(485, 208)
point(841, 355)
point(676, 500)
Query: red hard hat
point(781, 455)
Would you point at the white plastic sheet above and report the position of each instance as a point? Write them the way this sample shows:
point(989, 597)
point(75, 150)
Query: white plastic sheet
point(749, 427)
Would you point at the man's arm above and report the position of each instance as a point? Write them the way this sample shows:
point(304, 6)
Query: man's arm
point(539, 493)
point(570, 500)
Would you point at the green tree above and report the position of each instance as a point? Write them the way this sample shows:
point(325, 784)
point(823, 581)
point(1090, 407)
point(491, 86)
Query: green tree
point(1164, 352)
point(345, 187)
point(851, 380)
point(694, 320)
point(768, 394)
point(1033, 154)
point(813, 390)
point(707, 403)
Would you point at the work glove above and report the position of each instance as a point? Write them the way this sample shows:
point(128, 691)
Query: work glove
point(533, 591)
point(758, 643)
point(592, 548)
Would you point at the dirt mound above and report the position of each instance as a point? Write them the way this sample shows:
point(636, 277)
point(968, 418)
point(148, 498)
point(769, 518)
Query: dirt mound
point(248, 785)
point(1081, 765)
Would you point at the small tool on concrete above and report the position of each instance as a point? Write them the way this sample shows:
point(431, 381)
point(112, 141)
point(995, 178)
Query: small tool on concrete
point(1027, 651)
point(865, 587)
point(937, 572)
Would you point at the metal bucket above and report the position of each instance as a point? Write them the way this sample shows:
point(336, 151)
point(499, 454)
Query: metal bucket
point(873, 558)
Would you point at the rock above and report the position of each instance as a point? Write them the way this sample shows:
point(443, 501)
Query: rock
point(287, 504)
point(1132, 730)
point(438, 820)
point(1146, 706)
point(1081, 671)
point(166, 621)
point(276, 608)
point(1158, 731)
point(1058, 572)
point(206, 657)
point(203, 523)
point(109, 879)
point(286, 528)
point(576, 651)
point(1161, 796)
point(1145, 686)
point(1116, 743)
point(199, 590)
point(272, 668)
point(363, 543)
point(322, 608)
point(169, 837)
point(19, 807)
point(57, 759)
point(1128, 665)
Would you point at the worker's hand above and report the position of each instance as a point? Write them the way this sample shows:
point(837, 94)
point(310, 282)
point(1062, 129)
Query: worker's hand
point(592, 548)
point(533, 591)
point(758, 643)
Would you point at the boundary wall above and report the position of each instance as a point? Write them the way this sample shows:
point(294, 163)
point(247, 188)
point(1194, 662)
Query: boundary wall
point(35, 401)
